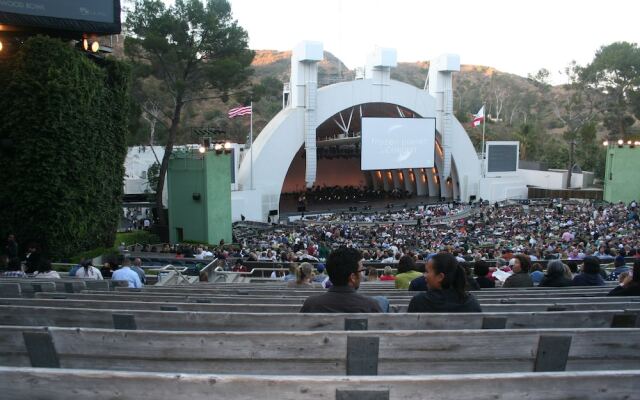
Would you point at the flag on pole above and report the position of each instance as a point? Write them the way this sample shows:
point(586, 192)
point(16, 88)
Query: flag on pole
point(478, 118)
point(240, 111)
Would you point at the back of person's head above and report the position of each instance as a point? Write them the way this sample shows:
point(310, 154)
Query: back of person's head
point(304, 271)
point(525, 262)
point(481, 268)
point(388, 270)
point(618, 261)
point(86, 264)
point(406, 264)
point(567, 272)
point(372, 274)
point(536, 267)
point(591, 265)
point(573, 266)
point(44, 266)
point(126, 262)
point(341, 263)
point(555, 268)
point(454, 275)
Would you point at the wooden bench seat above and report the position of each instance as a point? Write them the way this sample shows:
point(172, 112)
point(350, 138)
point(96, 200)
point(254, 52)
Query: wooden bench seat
point(323, 352)
point(191, 320)
point(68, 384)
point(237, 305)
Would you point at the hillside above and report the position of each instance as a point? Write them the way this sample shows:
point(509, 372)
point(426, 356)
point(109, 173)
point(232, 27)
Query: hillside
point(518, 108)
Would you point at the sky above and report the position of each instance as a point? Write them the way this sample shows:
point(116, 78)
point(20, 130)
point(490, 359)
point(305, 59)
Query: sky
point(517, 36)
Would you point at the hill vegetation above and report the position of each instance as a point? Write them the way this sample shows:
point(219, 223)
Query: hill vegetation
point(546, 119)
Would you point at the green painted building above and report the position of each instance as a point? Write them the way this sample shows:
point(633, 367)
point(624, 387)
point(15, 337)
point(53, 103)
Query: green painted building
point(622, 173)
point(199, 196)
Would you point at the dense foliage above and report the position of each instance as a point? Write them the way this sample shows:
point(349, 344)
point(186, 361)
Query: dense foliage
point(62, 136)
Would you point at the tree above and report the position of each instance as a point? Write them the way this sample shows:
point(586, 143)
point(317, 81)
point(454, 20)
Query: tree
point(576, 111)
point(196, 52)
point(615, 73)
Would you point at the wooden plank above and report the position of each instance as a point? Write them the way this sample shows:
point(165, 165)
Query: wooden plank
point(51, 384)
point(325, 353)
point(244, 321)
point(235, 299)
point(139, 303)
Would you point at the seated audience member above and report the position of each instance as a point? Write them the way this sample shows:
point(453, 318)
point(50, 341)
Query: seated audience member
point(556, 275)
point(481, 270)
point(125, 273)
point(45, 271)
point(619, 267)
point(32, 259)
point(407, 272)
point(520, 277)
point(536, 274)
point(14, 269)
point(291, 276)
point(88, 271)
point(372, 274)
point(321, 276)
point(107, 269)
point(631, 284)
point(387, 274)
point(137, 268)
point(590, 275)
point(304, 274)
point(346, 271)
point(446, 283)
point(471, 283)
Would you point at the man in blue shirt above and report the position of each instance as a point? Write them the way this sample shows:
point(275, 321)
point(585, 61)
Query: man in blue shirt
point(127, 274)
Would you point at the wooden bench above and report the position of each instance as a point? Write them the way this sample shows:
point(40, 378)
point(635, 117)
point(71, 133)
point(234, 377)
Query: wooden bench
point(257, 291)
point(65, 384)
point(249, 299)
point(323, 352)
point(184, 320)
point(235, 305)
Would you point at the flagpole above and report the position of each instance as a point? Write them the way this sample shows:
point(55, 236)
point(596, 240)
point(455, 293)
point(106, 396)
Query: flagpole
point(251, 142)
point(484, 118)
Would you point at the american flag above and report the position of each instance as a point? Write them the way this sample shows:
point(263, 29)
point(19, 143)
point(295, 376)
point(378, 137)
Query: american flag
point(240, 111)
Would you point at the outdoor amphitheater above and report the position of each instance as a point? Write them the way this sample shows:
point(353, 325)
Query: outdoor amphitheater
point(371, 239)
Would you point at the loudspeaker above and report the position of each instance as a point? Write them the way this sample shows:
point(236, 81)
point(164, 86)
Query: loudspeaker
point(273, 212)
point(196, 196)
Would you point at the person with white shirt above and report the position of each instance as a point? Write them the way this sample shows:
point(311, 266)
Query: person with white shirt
point(125, 273)
point(88, 271)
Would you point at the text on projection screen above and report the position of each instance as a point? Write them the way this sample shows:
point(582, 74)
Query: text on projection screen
point(396, 143)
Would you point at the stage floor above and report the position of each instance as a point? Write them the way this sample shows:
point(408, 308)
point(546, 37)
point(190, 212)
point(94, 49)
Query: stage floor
point(288, 205)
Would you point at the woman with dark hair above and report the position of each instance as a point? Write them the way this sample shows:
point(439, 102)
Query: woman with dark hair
point(45, 271)
point(520, 277)
point(590, 275)
point(108, 267)
point(631, 284)
point(481, 270)
point(88, 271)
point(446, 283)
point(406, 272)
point(555, 276)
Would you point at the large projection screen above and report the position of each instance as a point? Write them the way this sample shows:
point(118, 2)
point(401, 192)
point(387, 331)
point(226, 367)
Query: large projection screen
point(396, 143)
point(502, 157)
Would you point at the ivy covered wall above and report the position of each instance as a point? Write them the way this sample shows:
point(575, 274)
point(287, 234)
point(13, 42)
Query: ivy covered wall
point(63, 119)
